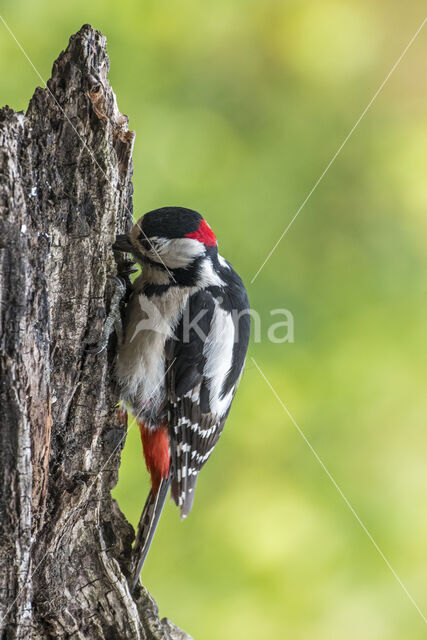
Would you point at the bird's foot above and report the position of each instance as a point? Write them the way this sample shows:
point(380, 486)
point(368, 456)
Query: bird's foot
point(113, 320)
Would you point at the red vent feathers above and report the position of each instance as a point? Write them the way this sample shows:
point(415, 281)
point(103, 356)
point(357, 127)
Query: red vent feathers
point(155, 443)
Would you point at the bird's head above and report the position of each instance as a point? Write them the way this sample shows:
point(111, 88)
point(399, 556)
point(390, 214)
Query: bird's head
point(169, 238)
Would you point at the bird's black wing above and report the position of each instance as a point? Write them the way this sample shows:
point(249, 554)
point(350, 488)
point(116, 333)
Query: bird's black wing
point(193, 424)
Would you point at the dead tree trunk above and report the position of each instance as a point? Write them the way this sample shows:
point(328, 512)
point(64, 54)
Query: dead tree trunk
point(65, 191)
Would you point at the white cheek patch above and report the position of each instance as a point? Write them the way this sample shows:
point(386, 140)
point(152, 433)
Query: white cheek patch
point(177, 253)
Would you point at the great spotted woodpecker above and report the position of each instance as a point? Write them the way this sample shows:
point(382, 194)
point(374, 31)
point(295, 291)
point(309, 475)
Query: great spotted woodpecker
point(185, 336)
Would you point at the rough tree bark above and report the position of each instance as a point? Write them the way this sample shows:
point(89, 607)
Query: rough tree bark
point(65, 191)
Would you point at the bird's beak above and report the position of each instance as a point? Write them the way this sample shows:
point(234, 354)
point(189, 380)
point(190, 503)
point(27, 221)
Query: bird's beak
point(123, 243)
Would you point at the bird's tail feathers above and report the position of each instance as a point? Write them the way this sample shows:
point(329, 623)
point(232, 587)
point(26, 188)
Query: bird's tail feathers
point(183, 496)
point(147, 526)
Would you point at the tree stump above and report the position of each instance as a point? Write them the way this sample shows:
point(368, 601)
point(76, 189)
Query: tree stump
point(65, 192)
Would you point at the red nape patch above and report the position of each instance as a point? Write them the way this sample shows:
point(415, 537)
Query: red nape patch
point(156, 453)
point(203, 234)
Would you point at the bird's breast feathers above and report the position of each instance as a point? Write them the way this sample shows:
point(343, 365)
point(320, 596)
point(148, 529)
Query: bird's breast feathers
point(191, 331)
point(140, 368)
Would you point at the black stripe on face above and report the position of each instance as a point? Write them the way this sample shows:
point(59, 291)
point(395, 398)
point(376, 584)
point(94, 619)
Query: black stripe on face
point(151, 289)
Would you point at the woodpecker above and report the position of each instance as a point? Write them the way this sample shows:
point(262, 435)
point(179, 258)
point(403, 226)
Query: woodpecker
point(182, 353)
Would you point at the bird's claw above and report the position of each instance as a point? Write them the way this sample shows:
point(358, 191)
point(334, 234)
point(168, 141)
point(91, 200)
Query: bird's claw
point(96, 349)
point(113, 320)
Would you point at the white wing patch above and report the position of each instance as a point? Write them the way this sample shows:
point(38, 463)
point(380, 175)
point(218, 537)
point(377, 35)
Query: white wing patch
point(218, 351)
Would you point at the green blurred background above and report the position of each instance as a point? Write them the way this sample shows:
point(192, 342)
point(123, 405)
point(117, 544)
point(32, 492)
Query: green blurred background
point(238, 107)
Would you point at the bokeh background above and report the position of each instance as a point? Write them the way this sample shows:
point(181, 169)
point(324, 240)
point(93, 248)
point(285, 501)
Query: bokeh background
point(238, 107)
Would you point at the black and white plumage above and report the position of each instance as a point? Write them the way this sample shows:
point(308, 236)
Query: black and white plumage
point(186, 333)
